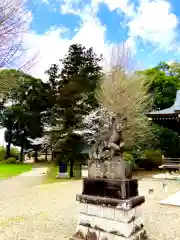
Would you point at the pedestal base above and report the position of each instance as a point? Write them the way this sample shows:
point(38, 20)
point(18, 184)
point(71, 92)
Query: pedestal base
point(100, 222)
point(62, 175)
point(120, 189)
point(109, 210)
point(86, 233)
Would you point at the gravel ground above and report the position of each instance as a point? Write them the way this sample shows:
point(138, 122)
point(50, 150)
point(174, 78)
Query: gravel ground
point(13, 186)
point(49, 212)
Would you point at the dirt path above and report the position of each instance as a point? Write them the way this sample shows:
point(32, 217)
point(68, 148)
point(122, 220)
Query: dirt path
point(42, 212)
point(16, 185)
point(49, 212)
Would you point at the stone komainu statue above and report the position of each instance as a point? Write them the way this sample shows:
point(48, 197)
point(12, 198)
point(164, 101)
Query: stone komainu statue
point(107, 154)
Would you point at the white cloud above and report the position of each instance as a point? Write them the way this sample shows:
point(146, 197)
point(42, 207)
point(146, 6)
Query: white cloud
point(52, 46)
point(131, 45)
point(154, 23)
point(91, 33)
point(151, 21)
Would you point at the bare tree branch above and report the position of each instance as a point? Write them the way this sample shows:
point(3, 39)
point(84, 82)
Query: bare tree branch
point(15, 17)
point(30, 63)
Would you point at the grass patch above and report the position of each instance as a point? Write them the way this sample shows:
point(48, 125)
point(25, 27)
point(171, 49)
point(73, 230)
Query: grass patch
point(9, 170)
point(53, 171)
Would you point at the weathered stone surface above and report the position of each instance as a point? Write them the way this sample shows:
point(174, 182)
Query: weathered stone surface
point(126, 204)
point(100, 235)
point(62, 175)
point(81, 232)
point(127, 216)
point(112, 226)
point(96, 168)
point(116, 168)
point(110, 212)
point(107, 212)
point(121, 189)
point(106, 236)
point(83, 207)
point(92, 234)
point(94, 209)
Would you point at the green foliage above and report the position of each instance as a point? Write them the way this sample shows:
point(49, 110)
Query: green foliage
point(150, 159)
point(9, 170)
point(2, 153)
point(80, 76)
point(128, 156)
point(169, 141)
point(11, 160)
point(9, 79)
point(30, 104)
point(163, 82)
point(53, 82)
point(13, 151)
point(162, 86)
point(73, 90)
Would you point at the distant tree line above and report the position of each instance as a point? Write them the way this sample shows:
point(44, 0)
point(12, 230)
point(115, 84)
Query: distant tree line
point(71, 95)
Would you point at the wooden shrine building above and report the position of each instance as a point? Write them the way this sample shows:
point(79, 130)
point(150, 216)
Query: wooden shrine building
point(170, 118)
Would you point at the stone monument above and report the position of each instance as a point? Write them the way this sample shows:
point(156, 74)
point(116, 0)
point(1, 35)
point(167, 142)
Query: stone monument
point(63, 172)
point(109, 203)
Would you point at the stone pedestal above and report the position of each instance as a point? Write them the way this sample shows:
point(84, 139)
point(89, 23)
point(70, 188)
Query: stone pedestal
point(110, 210)
point(62, 175)
point(62, 171)
point(116, 168)
point(102, 187)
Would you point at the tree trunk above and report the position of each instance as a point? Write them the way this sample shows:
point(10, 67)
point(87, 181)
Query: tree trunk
point(8, 149)
point(21, 153)
point(71, 168)
point(22, 147)
point(36, 155)
point(46, 153)
point(8, 146)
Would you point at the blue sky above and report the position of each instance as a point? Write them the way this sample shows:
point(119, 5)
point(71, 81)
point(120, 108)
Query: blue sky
point(150, 29)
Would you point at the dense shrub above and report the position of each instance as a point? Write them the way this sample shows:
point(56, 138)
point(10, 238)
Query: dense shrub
point(14, 152)
point(11, 160)
point(128, 156)
point(150, 159)
point(2, 153)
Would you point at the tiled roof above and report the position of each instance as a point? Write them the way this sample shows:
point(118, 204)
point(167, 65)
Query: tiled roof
point(173, 110)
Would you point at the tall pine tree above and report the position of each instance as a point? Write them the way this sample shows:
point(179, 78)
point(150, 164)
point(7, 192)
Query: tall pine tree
point(79, 78)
